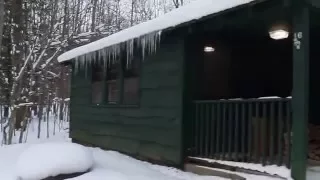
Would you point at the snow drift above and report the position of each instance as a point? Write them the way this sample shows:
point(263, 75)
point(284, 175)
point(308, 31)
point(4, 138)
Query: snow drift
point(51, 159)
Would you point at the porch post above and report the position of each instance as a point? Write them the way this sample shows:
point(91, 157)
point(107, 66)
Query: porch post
point(300, 100)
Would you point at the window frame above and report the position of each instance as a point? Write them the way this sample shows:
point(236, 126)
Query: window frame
point(101, 101)
point(120, 78)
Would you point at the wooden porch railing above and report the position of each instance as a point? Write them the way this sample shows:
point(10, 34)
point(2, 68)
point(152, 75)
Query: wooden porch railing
point(243, 130)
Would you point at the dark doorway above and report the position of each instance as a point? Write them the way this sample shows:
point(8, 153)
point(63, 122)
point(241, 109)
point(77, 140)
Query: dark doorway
point(242, 65)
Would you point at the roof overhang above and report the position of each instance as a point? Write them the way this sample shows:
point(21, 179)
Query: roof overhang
point(188, 13)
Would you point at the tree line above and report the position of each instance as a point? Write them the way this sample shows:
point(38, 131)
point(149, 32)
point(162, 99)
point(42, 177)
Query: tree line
point(34, 32)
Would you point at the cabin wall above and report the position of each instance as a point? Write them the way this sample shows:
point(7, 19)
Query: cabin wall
point(150, 131)
point(315, 3)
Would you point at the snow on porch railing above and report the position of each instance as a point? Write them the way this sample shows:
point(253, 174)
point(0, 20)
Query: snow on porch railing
point(243, 130)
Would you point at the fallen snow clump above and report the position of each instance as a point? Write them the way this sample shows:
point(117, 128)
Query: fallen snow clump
point(51, 159)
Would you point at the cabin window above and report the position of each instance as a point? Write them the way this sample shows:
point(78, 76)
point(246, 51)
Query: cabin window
point(97, 84)
point(116, 82)
point(112, 85)
point(123, 82)
point(131, 72)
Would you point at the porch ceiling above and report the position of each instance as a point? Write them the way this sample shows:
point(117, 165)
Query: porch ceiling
point(256, 19)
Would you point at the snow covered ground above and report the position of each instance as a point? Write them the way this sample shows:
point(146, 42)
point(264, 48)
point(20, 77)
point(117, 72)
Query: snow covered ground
point(107, 165)
point(57, 131)
point(43, 155)
point(56, 154)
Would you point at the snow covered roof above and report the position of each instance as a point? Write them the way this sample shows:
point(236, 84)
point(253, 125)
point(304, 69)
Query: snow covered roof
point(187, 13)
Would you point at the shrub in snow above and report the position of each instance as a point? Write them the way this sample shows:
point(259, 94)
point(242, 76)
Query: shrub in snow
point(51, 159)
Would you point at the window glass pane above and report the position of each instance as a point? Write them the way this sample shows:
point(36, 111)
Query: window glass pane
point(97, 84)
point(97, 94)
point(131, 90)
point(131, 82)
point(113, 91)
point(112, 78)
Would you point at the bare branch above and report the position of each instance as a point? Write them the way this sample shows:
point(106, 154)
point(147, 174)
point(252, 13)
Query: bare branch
point(23, 68)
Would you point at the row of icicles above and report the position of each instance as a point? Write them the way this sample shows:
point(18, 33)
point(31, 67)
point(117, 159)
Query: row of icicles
point(110, 55)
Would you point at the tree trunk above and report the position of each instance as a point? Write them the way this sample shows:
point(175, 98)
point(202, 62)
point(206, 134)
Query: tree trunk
point(80, 3)
point(20, 116)
point(65, 31)
point(40, 111)
point(132, 12)
point(177, 3)
point(76, 27)
point(1, 22)
point(6, 111)
point(11, 123)
point(93, 20)
point(54, 15)
point(17, 41)
point(40, 114)
point(24, 124)
point(48, 113)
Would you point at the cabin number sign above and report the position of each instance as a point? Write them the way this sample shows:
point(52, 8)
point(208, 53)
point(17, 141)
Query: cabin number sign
point(297, 40)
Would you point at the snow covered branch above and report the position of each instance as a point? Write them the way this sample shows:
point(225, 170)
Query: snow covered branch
point(23, 68)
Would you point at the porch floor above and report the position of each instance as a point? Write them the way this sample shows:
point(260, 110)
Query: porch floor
point(313, 171)
point(242, 167)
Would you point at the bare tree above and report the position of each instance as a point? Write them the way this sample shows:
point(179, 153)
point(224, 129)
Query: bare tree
point(35, 32)
point(94, 11)
point(1, 22)
point(177, 3)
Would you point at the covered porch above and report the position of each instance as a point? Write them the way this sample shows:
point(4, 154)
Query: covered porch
point(251, 90)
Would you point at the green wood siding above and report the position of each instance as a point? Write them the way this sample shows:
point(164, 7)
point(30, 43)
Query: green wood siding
point(151, 130)
point(315, 3)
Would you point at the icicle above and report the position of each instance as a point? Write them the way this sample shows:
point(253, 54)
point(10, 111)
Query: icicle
point(116, 52)
point(158, 40)
point(129, 49)
point(143, 46)
point(152, 39)
point(86, 68)
point(79, 64)
point(82, 61)
point(112, 54)
point(99, 55)
point(159, 37)
point(89, 60)
point(76, 62)
point(149, 43)
point(92, 57)
point(128, 53)
point(104, 57)
point(107, 55)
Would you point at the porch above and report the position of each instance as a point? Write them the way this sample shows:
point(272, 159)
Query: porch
point(251, 130)
point(247, 92)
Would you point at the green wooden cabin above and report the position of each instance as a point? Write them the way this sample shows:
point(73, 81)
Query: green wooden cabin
point(202, 91)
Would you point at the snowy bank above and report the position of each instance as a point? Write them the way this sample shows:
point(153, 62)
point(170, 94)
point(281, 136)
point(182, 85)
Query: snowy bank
point(184, 14)
point(51, 159)
point(108, 165)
